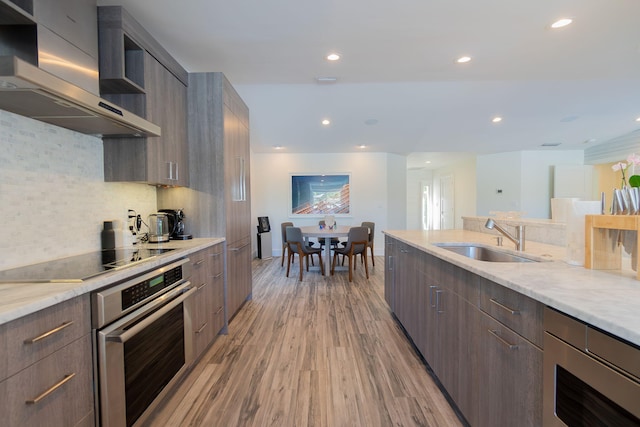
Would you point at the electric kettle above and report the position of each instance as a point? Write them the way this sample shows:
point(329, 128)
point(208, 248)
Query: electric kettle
point(158, 228)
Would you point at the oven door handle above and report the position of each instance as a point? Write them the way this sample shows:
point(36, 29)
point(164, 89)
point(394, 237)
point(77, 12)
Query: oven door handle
point(123, 335)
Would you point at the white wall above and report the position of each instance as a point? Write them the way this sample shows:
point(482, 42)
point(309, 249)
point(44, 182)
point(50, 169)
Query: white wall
point(53, 198)
point(376, 180)
point(525, 178)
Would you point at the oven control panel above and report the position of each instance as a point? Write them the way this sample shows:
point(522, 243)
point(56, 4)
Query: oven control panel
point(114, 301)
point(142, 290)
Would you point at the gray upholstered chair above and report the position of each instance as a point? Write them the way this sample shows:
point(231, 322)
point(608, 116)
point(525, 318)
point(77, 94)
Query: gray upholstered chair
point(372, 230)
point(296, 245)
point(357, 243)
point(283, 229)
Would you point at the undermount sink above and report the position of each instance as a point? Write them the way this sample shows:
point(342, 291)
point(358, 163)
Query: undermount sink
point(483, 253)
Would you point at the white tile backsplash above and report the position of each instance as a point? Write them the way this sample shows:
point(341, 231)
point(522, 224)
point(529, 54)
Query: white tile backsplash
point(53, 198)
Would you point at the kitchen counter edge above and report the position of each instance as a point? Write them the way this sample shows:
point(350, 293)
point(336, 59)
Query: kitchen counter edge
point(21, 299)
point(609, 300)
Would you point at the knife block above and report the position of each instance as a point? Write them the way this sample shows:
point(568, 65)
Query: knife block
point(601, 249)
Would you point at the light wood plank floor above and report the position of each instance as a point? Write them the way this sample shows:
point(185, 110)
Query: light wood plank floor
point(321, 352)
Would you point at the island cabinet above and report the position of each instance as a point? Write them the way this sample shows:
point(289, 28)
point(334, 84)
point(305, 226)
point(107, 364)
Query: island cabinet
point(482, 340)
point(208, 314)
point(46, 367)
point(220, 164)
point(449, 320)
point(389, 271)
point(138, 74)
point(510, 368)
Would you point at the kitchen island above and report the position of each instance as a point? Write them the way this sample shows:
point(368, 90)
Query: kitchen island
point(608, 300)
point(481, 325)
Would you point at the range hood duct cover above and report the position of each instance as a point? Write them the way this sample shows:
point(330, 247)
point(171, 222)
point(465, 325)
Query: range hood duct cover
point(32, 92)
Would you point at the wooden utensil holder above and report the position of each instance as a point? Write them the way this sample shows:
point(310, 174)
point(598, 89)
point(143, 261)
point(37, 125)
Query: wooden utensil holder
point(600, 252)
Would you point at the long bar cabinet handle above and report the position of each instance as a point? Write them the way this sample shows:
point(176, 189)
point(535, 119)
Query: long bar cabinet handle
point(51, 389)
point(239, 248)
point(49, 333)
point(200, 261)
point(502, 340)
point(505, 308)
point(202, 328)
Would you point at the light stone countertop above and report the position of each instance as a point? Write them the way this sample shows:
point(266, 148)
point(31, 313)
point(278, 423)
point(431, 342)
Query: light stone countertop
point(609, 300)
point(20, 299)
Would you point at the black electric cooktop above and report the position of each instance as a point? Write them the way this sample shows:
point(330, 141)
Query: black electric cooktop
point(80, 267)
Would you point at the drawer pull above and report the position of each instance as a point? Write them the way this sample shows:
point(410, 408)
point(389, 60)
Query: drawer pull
point(217, 254)
point(49, 333)
point(202, 285)
point(505, 308)
point(202, 328)
point(219, 310)
point(499, 338)
point(217, 276)
point(53, 388)
point(239, 248)
point(200, 261)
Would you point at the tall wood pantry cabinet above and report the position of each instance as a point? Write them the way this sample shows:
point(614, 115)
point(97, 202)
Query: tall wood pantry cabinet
point(218, 129)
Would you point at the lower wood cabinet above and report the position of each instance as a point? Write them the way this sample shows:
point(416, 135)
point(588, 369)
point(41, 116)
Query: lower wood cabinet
point(208, 302)
point(55, 391)
point(480, 339)
point(510, 377)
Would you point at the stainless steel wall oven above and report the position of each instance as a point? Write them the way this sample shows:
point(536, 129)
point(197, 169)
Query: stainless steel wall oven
point(142, 331)
point(590, 377)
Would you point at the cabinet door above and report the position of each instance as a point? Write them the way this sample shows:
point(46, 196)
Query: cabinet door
point(389, 271)
point(236, 148)
point(510, 377)
point(217, 310)
point(238, 274)
point(406, 288)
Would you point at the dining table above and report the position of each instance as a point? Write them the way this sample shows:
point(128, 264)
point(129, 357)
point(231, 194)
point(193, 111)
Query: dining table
point(325, 233)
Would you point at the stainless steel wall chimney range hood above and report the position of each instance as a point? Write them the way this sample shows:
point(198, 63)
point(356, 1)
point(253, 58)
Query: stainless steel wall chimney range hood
point(30, 91)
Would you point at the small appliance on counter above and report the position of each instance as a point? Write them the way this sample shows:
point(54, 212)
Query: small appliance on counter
point(158, 228)
point(176, 224)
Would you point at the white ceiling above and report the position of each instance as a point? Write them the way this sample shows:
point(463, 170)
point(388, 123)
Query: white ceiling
point(578, 86)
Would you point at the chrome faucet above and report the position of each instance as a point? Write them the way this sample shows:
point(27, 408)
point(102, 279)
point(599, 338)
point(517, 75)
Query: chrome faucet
point(518, 239)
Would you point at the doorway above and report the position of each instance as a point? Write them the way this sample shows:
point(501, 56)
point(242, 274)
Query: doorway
point(447, 208)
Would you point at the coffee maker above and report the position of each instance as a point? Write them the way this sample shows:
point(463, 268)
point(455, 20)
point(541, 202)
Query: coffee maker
point(176, 224)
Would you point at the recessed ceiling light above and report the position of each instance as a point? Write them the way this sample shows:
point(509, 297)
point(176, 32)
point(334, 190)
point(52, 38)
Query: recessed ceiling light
point(463, 59)
point(326, 80)
point(371, 122)
point(562, 23)
point(428, 162)
point(333, 57)
point(496, 119)
point(326, 122)
point(638, 119)
point(278, 147)
point(362, 146)
point(550, 144)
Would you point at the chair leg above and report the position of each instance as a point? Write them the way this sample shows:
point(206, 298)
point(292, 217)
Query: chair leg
point(333, 264)
point(373, 260)
point(350, 269)
point(284, 249)
point(366, 264)
point(301, 268)
point(288, 262)
point(321, 263)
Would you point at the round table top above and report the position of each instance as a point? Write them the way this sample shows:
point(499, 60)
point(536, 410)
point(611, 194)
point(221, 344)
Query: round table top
point(315, 231)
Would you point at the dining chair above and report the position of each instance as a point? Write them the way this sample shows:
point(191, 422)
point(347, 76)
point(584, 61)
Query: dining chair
point(372, 230)
point(357, 243)
point(283, 229)
point(296, 245)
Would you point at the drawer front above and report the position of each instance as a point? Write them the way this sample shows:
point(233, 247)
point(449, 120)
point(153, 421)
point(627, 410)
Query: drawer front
point(26, 340)
point(56, 391)
point(199, 271)
point(518, 312)
point(218, 303)
point(216, 256)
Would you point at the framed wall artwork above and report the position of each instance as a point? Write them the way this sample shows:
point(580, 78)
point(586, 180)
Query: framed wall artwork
point(319, 195)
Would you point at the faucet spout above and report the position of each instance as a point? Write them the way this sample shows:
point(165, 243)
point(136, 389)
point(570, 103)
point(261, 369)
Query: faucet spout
point(518, 239)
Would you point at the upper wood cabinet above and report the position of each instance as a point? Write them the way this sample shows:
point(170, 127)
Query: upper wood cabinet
point(141, 76)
